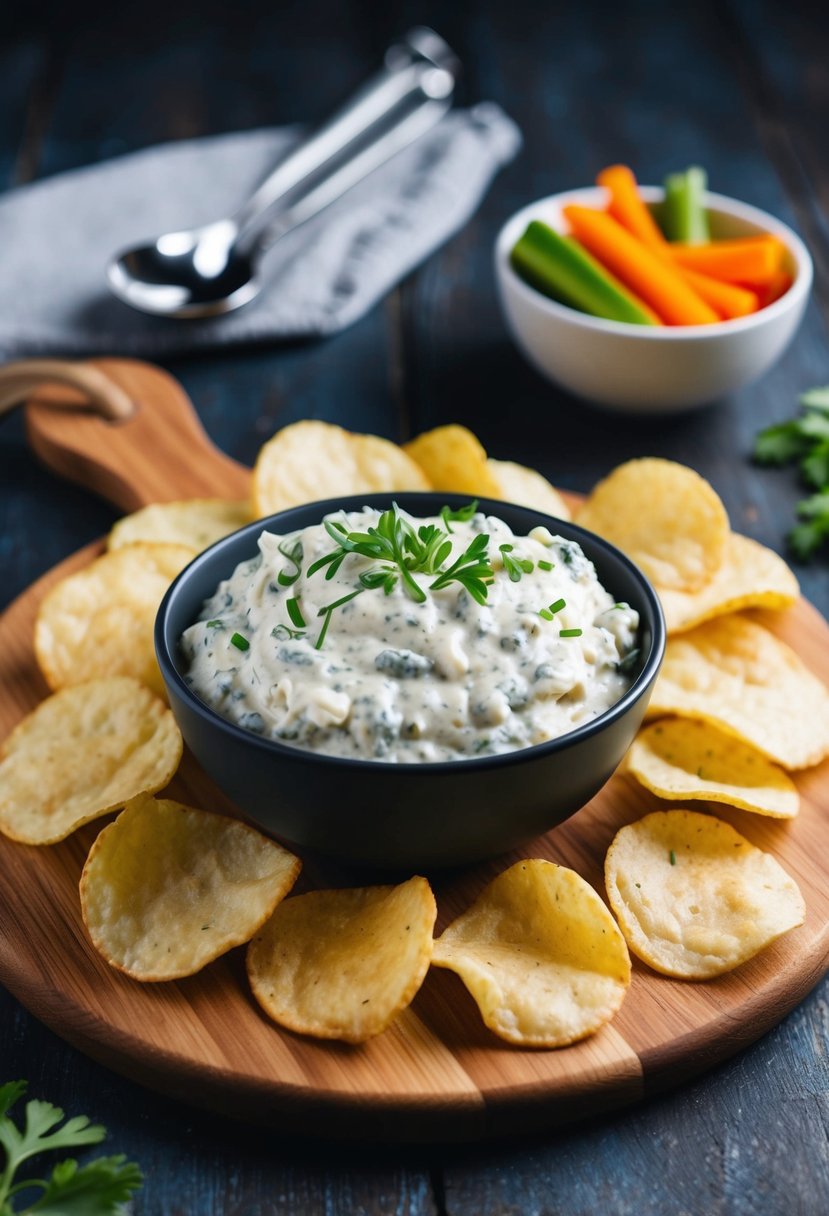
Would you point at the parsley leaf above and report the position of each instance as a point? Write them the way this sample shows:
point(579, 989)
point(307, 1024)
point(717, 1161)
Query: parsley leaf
point(805, 440)
point(95, 1189)
point(816, 399)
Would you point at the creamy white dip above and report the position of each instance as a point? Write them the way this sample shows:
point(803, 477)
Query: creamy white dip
point(397, 680)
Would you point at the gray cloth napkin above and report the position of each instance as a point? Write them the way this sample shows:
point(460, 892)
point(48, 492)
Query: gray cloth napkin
point(57, 236)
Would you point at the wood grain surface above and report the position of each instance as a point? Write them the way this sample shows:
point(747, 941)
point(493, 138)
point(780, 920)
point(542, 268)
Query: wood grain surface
point(437, 1072)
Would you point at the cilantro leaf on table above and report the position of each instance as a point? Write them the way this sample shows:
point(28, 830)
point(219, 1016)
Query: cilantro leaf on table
point(805, 440)
point(816, 399)
point(98, 1188)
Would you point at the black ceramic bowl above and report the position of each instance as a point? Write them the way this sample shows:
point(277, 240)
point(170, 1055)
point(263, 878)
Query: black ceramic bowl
point(410, 816)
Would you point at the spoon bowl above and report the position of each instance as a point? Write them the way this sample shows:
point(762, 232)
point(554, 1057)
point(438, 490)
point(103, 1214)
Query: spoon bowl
point(198, 273)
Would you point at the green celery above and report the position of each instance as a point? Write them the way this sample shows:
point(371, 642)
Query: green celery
point(683, 216)
point(558, 267)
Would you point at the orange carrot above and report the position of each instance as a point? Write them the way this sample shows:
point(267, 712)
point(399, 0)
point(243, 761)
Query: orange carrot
point(752, 260)
point(727, 299)
point(627, 206)
point(650, 277)
point(776, 287)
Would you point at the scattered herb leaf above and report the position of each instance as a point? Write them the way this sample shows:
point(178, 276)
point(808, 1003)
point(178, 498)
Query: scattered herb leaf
point(805, 440)
point(98, 1188)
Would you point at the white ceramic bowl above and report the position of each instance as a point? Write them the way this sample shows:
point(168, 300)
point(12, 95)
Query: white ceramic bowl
point(644, 369)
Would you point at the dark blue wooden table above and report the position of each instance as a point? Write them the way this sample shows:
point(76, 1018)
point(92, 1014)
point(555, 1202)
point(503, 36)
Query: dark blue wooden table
point(737, 85)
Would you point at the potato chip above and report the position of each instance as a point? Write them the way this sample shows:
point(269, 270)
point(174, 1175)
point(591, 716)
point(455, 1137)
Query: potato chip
point(681, 758)
point(82, 753)
point(527, 488)
point(99, 622)
point(734, 673)
point(342, 964)
point(454, 460)
point(751, 576)
point(196, 523)
point(540, 954)
point(693, 897)
point(167, 888)
point(665, 517)
point(308, 461)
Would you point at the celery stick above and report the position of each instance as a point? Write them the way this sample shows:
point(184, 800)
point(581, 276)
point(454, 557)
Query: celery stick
point(558, 266)
point(683, 215)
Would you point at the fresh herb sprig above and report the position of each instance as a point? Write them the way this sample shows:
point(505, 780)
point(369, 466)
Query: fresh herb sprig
point(98, 1188)
point(402, 551)
point(516, 567)
point(806, 441)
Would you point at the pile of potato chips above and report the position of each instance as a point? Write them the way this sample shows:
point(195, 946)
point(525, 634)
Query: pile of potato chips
point(167, 888)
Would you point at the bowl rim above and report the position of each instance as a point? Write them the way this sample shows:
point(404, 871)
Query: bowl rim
point(720, 203)
point(274, 747)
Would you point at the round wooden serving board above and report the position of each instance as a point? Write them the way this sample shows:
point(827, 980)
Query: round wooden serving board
point(437, 1073)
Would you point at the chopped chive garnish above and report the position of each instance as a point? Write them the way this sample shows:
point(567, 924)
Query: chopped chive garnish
point(239, 642)
point(215, 624)
point(339, 603)
point(544, 565)
point(672, 856)
point(545, 612)
point(295, 612)
point(286, 578)
point(558, 605)
point(569, 633)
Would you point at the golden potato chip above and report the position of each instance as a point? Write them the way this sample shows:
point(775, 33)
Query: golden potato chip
point(540, 954)
point(665, 517)
point(196, 523)
point(693, 897)
point(683, 758)
point(342, 964)
point(732, 672)
point(82, 753)
point(453, 459)
point(527, 488)
point(99, 622)
point(308, 461)
point(167, 888)
point(751, 576)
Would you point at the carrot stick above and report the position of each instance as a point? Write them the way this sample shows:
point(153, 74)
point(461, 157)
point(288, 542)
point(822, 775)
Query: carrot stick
point(727, 299)
point(776, 287)
point(752, 260)
point(627, 206)
point(655, 281)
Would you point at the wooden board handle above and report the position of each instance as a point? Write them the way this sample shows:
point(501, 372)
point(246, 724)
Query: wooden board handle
point(159, 452)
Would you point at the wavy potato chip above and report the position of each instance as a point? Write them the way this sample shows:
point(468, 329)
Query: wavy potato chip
point(83, 753)
point(751, 576)
point(99, 622)
point(311, 460)
point(342, 964)
point(540, 954)
point(737, 675)
point(526, 488)
point(681, 758)
point(453, 459)
point(196, 523)
point(665, 517)
point(693, 897)
point(167, 888)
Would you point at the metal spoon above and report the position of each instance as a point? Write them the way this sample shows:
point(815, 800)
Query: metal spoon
point(211, 270)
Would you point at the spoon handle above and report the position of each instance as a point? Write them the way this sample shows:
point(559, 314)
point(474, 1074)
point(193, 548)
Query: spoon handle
point(408, 95)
